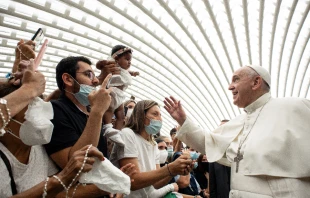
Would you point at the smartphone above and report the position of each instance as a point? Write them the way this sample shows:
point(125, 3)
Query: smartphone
point(38, 59)
point(38, 37)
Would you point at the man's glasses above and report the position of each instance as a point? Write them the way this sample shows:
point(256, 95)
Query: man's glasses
point(90, 74)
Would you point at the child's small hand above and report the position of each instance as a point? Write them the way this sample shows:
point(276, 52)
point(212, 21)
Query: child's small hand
point(134, 73)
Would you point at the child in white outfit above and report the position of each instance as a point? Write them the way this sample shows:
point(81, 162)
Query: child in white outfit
point(119, 83)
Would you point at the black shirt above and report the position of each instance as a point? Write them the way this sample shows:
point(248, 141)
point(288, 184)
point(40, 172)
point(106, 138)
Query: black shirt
point(69, 123)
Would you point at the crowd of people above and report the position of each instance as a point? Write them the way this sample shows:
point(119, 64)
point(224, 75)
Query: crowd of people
point(47, 144)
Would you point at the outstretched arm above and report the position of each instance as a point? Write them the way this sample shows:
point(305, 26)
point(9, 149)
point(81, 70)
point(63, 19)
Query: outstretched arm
point(175, 109)
point(53, 186)
point(190, 133)
point(33, 85)
point(144, 179)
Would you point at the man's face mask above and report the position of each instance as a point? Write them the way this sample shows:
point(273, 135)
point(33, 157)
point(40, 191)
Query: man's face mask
point(37, 133)
point(154, 126)
point(82, 95)
point(194, 155)
point(163, 154)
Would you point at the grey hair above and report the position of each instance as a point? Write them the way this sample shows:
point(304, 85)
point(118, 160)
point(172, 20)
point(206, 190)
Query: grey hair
point(251, 73)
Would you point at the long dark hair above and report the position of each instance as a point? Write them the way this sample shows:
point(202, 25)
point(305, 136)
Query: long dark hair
point(137, 118)
point(201, 167)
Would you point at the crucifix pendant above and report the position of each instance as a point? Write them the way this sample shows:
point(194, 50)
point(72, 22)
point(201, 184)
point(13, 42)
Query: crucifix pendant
point(237, 159)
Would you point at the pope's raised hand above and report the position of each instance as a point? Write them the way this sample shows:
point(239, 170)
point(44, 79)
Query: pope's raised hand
point(175, 109)
point(100, 98)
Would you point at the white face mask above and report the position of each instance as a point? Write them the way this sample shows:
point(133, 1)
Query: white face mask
point(129, 112)
point(37, 133)
point(163, 154)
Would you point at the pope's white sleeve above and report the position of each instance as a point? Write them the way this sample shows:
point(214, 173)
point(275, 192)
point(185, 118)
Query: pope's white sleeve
point(192, 135)
point(158, 193)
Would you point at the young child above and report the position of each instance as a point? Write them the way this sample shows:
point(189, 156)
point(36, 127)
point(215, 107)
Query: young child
point(119, 83)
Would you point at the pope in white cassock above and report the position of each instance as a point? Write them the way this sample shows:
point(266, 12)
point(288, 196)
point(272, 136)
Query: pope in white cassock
point(268, 147)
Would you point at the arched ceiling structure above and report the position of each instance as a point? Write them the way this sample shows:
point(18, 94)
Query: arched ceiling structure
point(185, 48)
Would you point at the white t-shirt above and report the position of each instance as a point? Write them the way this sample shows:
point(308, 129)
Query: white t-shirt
point(136, 147)
point(25, 175)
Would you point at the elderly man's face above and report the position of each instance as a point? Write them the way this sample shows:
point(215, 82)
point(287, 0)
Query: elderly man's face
point(241, 87)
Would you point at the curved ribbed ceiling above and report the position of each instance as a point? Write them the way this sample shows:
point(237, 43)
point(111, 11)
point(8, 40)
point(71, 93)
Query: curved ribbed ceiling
point(185, 48)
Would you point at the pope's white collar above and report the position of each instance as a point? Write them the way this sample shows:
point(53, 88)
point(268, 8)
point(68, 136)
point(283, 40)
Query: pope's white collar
point(257, 103)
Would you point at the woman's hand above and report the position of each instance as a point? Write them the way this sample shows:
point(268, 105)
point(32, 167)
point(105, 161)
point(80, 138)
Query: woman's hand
point(176, 187)
point(24, 51)
point(186, 152)
point(181, 166)
point(76, 162)
point(32, 81)
point(206, 193)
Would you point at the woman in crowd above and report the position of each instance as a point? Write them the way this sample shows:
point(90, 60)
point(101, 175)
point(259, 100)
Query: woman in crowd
point(24, 168)
point(141, 150)
point(33, 85)
point(202, 173)
point(129, 105)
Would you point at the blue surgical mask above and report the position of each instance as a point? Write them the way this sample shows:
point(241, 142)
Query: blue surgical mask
point(195, 165)
point(194, 155)
point(154, 126)
point(82, 95)
point(170, 151)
